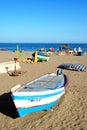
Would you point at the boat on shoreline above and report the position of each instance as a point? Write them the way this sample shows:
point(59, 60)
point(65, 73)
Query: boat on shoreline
point(40, 94)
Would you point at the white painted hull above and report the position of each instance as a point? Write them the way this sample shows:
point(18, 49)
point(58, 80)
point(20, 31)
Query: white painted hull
point(30, 98)
point(36, 102)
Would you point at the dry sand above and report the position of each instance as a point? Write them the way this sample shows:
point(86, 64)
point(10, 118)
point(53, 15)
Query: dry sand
point(69, 114)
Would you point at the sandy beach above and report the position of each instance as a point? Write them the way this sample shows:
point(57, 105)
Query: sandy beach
point(69, 114)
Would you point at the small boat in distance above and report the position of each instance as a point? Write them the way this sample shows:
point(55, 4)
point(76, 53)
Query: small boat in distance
point(41, 56)
point(40, 94)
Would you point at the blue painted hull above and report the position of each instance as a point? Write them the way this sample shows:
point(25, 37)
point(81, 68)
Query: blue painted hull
point(40, 94)
point(33, 97)
point(24, 111)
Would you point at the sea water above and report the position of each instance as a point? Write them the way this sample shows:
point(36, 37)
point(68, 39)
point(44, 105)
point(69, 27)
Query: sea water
point(37, 46)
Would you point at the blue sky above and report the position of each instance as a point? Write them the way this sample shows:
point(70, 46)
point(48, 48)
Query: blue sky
point(50, 21)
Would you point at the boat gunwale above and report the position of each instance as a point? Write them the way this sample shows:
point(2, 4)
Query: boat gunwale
point(66, 82)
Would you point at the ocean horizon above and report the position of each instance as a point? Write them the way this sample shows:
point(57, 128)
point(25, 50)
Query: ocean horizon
point(37, 46)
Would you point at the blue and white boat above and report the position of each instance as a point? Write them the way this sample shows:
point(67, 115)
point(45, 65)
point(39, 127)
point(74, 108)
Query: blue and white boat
point(40, 94)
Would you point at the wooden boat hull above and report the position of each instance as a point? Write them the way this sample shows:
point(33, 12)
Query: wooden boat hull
point(43, 58)
point(24, 111)
point(75, 67)
point(31, 101)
